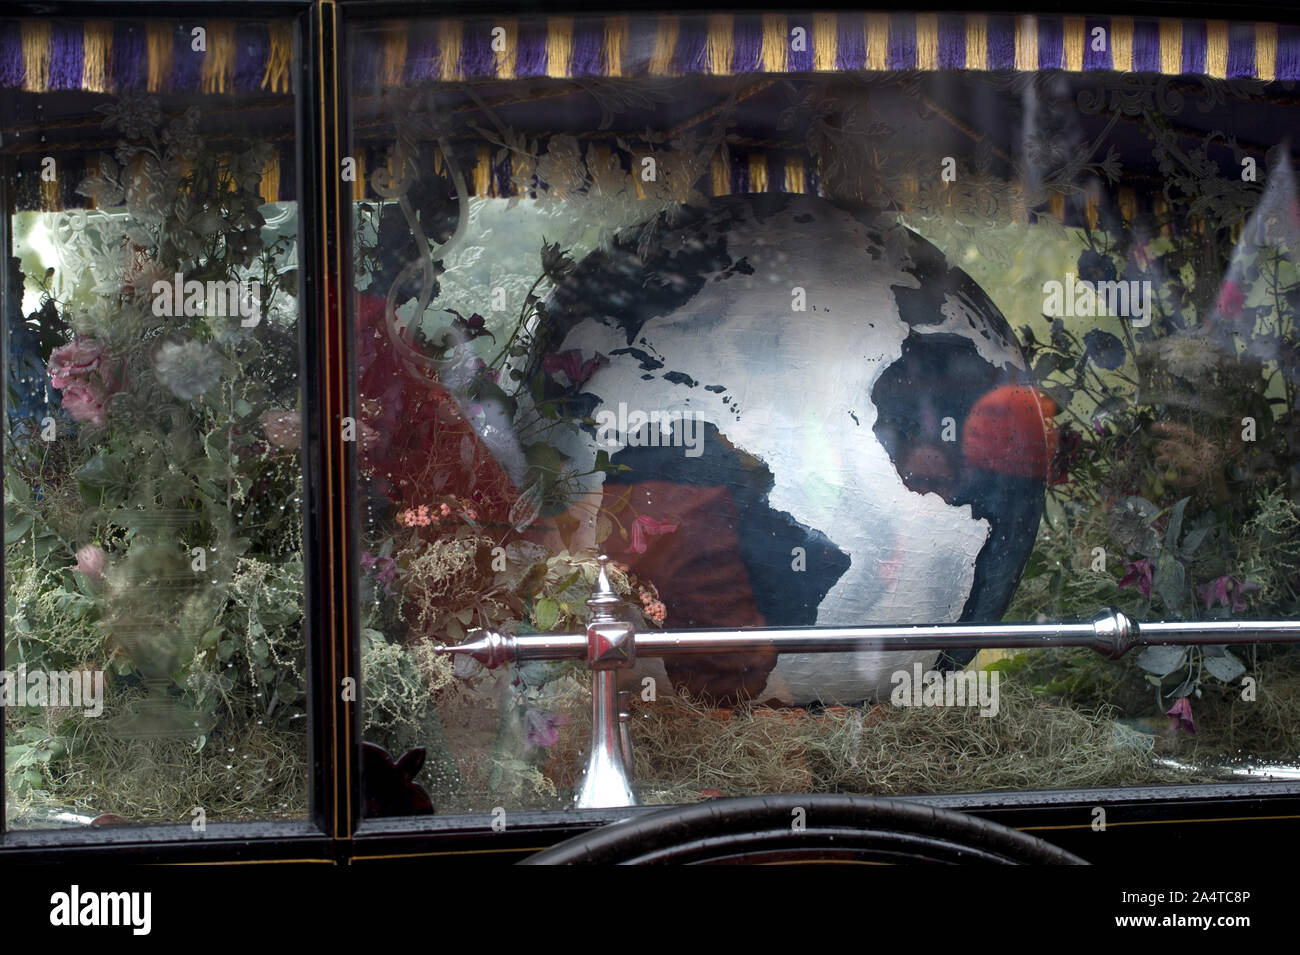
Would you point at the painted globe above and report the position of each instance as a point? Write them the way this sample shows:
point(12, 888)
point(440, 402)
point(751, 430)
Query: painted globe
point(795, 416)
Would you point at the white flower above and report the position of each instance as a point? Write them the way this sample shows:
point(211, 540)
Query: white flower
point(188, 369)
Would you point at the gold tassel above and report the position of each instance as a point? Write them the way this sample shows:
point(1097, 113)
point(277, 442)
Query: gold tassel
point(159, 41)
point(794, 175)
point(269, 187)
point(1026, 44)
point(877, 41)
point(1160, 207)
point(483, 172)
point(826, 41)
point(279, 60)
point(1128, 204)
point(1266, 51)
point(1171, 47)
point(719, 179)
point(758, 172)
point(219, 61)
point(772, 59)
point(927, 41)
point(504, 60)
point(1075, 38)
point(1057, 205)
point(661, 57)
point(615, 43)
point(977, 41)
point(359, 183)
point(1121, 43)
point(450, 33)
point(719, 43)
point(1216, 48)
point(1090, 210)
point(50, 201)
point(559, 45)
point(393, 66)
point(97, 47)
point(36, 55)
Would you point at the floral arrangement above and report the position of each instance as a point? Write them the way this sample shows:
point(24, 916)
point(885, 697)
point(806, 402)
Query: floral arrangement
point(152, 493)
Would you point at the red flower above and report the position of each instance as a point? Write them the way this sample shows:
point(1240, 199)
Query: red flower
point(1227, 591)
point(1138, 573)
point(570, 362)
point(646, 525)
point(1180, 716)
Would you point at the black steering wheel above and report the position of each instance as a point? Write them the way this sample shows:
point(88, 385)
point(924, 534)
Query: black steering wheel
point(777, 830)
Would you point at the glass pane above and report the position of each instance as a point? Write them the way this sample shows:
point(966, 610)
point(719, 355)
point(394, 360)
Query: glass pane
point(836, 320)
point(154, 644)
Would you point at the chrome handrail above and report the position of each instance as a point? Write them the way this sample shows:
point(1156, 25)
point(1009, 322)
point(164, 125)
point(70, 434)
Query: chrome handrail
point(611, 644)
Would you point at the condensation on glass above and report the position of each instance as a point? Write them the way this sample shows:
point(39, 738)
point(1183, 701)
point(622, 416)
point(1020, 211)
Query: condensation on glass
point(154, 642)
point(834, 320)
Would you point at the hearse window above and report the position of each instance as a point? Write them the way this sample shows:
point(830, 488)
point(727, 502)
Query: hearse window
point(822, 321)
point(154, 667)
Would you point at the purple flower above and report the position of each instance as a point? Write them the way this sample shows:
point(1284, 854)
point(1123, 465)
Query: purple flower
point(387, 568)
point(1137, 573)
point(1228, 591)
point(1180, 716)
point(542, 728)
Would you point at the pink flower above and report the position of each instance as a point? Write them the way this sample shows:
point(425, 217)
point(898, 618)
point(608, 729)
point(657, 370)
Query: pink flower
point(283, 429)
point(1138, 573)
point(645, 526)
point(92, 561)
point(570, 362)
point(1230, 299)
point(85, 401)
point(542, 728)
point(75, 361)
point(1180, 716)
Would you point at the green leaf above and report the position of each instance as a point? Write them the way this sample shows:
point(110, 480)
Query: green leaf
point(1161, 661)
point(1175, 524)
point(546, 613)
point(1170, 582)
point(1226, 667)
point(16, 526)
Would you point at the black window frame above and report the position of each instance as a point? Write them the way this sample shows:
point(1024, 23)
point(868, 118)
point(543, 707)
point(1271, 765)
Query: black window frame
point(334, 830)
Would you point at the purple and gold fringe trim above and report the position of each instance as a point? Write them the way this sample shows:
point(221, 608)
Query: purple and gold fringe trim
point(103, 56)
point(397, 53)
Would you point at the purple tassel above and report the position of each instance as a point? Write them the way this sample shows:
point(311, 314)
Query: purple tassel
point(1096, 59)
point(746, 44)
point(365, 49)
point(851, 50)
point(692, 37)
point(501, 172)
point(288, 191)
point(1241, 50)
point(1051, 43)
point(812, 182)
point(531, 59)
point(11, 55)
point(476, 57)
point(1146, 46)
point(952, 42)
point(187, 66)
point(66, 55)
point(588, 37)
point(1288, 52)
point(1193, 46)
point(252, 49)
point(129, 56)
point(902, 42)
point(1001, 34)
point(421, 52)
point(800, 61)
